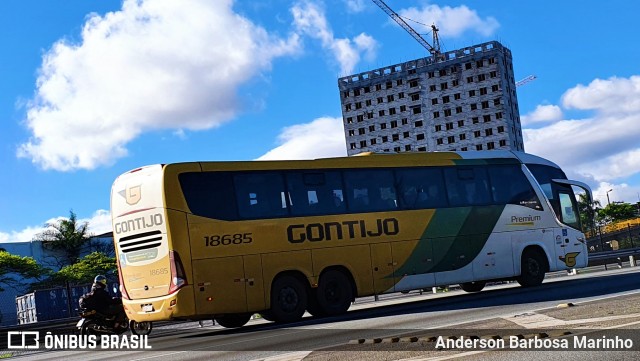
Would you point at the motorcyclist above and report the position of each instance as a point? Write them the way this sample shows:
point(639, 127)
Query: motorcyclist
point(100, 300)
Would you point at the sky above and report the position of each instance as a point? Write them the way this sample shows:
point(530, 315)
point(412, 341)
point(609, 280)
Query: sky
point(90, 89)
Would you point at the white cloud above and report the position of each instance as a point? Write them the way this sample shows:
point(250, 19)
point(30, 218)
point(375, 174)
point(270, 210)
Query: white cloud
point(321, 138)
point(309, 19)
point(451, 21)
point(99, 223)
point(612, 96)
point(24, 235)
point(152, 65)
point(542, 114)
point(355, 6)
point(604, 147)
point(622, 192)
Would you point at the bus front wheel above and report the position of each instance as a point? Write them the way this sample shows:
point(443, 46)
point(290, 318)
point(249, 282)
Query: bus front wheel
point(233, 320)
point(473, 286)
point(533, 268)
point(288, 299)
point(334, 293)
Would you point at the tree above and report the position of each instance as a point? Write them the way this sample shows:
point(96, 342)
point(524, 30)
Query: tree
point(618, 211)
point(87, 268)
point(14, 269)
point(66, 236)
point(588, 211)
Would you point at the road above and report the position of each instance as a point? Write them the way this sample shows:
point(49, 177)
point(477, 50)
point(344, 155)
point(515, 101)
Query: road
point(382, 330)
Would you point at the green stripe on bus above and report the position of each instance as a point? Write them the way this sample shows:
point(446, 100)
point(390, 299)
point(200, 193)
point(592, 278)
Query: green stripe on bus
point(452, 232)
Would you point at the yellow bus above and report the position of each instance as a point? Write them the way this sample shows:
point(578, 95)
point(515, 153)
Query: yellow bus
point(225, 240)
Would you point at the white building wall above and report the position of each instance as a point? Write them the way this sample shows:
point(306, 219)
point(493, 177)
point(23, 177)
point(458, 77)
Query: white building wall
point(465, 101)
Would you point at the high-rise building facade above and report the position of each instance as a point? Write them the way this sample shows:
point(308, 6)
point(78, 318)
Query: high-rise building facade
point(464, 101)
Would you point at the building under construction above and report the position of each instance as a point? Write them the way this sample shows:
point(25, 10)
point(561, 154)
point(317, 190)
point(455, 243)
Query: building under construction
point(458, 100)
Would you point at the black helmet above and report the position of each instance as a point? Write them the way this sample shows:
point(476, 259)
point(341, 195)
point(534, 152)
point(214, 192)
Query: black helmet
point(101, 280)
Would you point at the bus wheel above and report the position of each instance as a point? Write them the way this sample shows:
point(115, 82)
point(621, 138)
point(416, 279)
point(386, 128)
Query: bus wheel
point(233, 320)
point(334, 293)
point(140, 328)
point(313, 306)
point(288, 299)
point(533, 268)
point(473, 286)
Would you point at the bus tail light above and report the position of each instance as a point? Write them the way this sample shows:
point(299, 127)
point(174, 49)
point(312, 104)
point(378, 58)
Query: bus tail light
point(123, 289)
point(178, 277)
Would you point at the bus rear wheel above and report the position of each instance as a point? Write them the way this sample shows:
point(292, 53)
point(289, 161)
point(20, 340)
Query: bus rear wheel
point(233, 320)
point(313, 306)
point(140, 328)
point(334, 293)
point(532, 269)
point(473, 286)
point(288, 299)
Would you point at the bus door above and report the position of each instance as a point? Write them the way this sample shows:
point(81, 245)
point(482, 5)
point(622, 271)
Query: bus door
point(382, 267)
point(568, 247)
point(569, 240)
point(254, 285)
point(220, 285)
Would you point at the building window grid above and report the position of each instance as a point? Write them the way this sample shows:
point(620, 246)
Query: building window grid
point(436, 114)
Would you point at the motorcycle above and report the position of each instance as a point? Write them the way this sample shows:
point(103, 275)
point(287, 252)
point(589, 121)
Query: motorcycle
point(93, 322)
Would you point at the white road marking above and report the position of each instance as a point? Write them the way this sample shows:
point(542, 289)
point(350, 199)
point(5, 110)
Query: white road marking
point(539, 321)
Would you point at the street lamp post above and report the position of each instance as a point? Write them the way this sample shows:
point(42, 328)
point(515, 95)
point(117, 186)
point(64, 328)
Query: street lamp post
point(608, 202)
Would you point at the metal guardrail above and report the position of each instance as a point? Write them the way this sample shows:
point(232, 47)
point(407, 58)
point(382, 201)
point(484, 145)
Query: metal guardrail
point(614, 254)
point(61, 323)
point(617, 257)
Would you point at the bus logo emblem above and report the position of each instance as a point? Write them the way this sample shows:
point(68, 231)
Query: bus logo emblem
point(133, 194)
point(569, 259)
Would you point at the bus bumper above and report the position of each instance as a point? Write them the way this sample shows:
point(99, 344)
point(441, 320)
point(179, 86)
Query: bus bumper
point(161, 308)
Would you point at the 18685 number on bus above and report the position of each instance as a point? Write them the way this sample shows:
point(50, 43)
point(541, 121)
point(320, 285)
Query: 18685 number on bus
point(227, 239)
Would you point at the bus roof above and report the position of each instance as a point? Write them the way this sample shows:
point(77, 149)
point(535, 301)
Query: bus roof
point(372, 160)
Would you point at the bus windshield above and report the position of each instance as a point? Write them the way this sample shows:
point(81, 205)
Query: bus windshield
point(560, 196)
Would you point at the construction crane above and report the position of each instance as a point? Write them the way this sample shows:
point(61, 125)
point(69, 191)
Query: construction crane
point(524, 81)
point(434, 50)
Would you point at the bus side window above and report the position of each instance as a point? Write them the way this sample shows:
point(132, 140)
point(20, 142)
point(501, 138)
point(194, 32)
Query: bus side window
point(370, 190)
point(315, 192)
point(260, 195)
point(421, 188)
point(510, 186)
point(209, 194)
point(467, 186)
